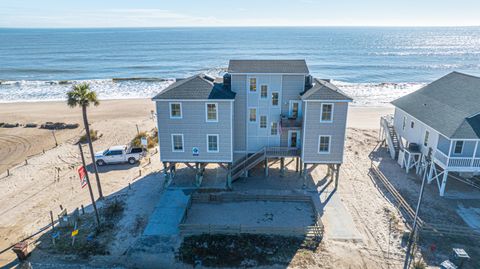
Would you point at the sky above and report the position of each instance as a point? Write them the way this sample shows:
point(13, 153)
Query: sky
point(182, 13)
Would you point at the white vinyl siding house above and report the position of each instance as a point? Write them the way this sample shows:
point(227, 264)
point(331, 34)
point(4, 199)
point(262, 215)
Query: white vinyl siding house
point(442, 120)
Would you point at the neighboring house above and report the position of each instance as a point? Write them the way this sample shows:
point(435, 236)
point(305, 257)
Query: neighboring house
point(260, 110)
point(442, 121)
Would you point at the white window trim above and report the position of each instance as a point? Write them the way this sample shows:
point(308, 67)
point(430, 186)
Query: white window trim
point(256, 116)
point(271, 125)
point(329, 144)
point(331, 114)
point(206, 112)
point(290, 108)
point(173, 144)
point(455, 146)
point(170, 109)
point(218, 143)
point(278, 99)
point(260, 122)
point(256, 85)
point(266, 96)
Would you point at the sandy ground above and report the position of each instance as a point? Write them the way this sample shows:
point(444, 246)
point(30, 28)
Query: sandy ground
point(253, 214)
point(32, 190)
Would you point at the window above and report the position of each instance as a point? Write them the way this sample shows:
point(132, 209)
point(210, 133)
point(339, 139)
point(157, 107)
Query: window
point(253, 84)
point(425, 139)
point(274, 128)
point(212, 143)
point(177, 142)
point(458, 147)
point(212, 113)
point(274, 98)
point(263, 121)
point(412, 124)
point(263, 91)
point(324, 144)
point(294, 109)
point(404, 123)
point(114, 152)
point(327, 113)
point(175, 110)
point(253, 114)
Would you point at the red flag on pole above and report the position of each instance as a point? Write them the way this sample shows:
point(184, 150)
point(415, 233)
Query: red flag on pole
point(82, 172)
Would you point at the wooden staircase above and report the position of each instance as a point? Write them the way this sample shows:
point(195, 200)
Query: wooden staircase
point(242, 166)
point(391, 137)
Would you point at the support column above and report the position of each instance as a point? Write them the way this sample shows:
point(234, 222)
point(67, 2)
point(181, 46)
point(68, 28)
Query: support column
point(304, 176)
point(297, 163)
point(266, 167)
point(301, 166)
point(444, 183)
point(282, 166)
point(229, 176)
point(430, 172)
point(165, 167)
point(337, 175)
point(197, 173)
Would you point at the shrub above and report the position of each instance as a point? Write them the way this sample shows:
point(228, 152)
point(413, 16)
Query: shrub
point(152, 139)
point(93, 135)
point(113, 209)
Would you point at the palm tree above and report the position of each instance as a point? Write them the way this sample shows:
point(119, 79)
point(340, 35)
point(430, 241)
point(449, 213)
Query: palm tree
point(82, 96)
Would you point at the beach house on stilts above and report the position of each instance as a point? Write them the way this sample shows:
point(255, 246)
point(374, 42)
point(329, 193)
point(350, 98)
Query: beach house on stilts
point(436, 130)
point(260, 110)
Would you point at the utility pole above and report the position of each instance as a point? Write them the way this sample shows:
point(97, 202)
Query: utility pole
point(406, 264)
point(89, 186)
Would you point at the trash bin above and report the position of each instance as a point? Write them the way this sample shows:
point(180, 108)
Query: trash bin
point(21, 249)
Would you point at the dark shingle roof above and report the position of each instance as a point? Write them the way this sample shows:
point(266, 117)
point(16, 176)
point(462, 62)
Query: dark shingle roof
point(324, 90)
point(268, 66)
point(195, 87)
point(449, 105)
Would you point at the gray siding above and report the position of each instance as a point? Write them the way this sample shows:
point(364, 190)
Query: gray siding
point(292, 86)
point(468, 149)
point(194, 128)
point(443, 144)
point(239, 85)
point(313, 128)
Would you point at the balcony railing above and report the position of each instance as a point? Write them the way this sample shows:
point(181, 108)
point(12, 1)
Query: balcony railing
point(457, 162)
point(290, 122)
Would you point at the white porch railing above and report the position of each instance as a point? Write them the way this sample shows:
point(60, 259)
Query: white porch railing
point(461, 162)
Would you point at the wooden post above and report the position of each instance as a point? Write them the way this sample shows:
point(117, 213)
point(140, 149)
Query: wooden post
point(138, 131)
point(55, 138)
point(83, 210)
point(444, 183)
point(305, 172)
point(165, 168)
point(282, 166)
point(197, 174)
point(26, 161)
point(53, 227)
point(229, 176)
point(266, 167)
point(89, 186)
point(337, 174)
point(8, 172)
point(297, 163)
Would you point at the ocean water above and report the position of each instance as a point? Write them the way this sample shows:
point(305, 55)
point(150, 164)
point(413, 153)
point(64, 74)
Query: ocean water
point(372, 64)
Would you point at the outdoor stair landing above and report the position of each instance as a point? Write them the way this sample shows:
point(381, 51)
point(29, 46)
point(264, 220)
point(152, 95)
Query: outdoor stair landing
point(243, 165)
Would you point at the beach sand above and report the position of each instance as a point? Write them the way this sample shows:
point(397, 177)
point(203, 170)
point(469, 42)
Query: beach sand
point(32, 190)
point(120, 116)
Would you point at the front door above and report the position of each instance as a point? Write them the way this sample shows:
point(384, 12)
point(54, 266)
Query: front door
point(294, 109)
point(293, 139)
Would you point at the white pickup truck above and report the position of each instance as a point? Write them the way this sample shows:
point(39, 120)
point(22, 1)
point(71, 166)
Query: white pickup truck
point(119, 154)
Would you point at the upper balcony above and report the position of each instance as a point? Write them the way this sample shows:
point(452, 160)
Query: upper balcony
point(457, 163)
point(290, 122)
